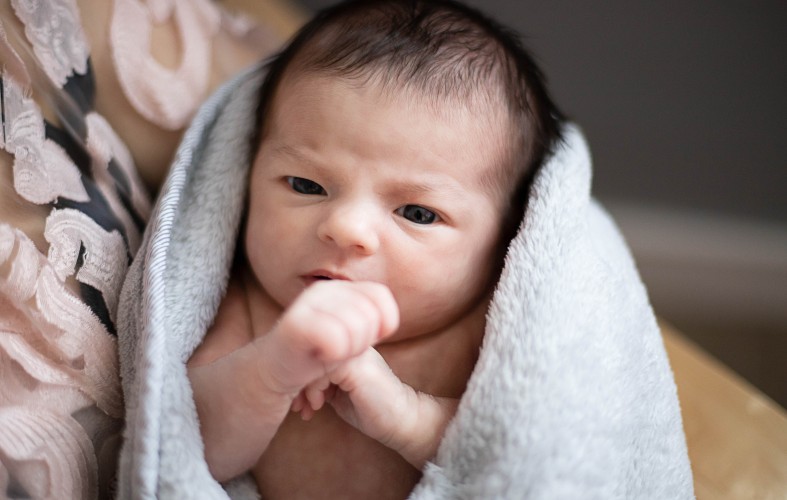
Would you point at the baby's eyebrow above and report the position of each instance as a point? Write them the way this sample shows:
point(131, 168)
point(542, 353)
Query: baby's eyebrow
point(300, 157)
point(287, 150)
point(413, 188)
point(422, 188)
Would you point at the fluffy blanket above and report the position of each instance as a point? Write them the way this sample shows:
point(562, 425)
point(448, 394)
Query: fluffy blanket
point(572, 396)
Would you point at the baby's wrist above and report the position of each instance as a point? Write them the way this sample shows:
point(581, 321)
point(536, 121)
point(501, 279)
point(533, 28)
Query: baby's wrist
point(271, 368)
point(424, 427)
point(237, 419)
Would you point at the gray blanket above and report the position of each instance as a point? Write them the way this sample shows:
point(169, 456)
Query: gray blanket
point(572, 396)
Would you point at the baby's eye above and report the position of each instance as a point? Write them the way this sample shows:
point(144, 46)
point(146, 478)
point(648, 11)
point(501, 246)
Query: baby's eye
point(305, 186)
point(417, 214)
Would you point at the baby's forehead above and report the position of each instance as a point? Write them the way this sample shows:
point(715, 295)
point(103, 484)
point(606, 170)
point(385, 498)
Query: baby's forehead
point(485, 105)
point(492, 125)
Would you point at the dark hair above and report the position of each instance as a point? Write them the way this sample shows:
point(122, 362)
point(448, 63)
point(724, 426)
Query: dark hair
point(444, 50)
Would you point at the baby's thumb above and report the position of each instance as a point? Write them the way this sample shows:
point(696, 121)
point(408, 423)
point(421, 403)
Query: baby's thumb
point(386, 305)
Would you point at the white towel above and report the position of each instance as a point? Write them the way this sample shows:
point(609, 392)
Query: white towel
point(572, 396)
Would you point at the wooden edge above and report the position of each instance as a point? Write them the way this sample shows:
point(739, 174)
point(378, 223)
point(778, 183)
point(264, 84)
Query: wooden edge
point(736, 435)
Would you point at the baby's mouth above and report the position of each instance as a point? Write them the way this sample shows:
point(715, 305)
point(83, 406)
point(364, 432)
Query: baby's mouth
point(321, 275)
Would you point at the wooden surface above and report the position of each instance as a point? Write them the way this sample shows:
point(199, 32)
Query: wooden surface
point(737, 437)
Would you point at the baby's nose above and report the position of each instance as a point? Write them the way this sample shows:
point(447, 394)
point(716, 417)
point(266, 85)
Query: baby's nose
point(353, 227)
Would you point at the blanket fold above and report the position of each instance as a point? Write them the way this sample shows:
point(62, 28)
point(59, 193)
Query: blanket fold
point(572, 395)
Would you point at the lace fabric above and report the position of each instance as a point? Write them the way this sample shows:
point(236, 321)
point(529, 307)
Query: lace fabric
point(54, 30)
point(166, 97)
point(42, 170)
point(169, 97)
point(61, 404)
point(72, 213)
point(11, 63)
point(57, 360)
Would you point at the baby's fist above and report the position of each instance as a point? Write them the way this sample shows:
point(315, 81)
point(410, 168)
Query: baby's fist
point(330, 322)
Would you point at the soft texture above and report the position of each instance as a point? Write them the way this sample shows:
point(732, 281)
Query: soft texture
point(73, 209)
point(572, 396)
point(71, 213)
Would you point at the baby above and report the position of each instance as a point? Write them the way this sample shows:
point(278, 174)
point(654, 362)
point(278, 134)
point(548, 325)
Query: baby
point(395, 145)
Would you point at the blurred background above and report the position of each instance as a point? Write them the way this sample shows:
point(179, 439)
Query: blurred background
point(685, 108)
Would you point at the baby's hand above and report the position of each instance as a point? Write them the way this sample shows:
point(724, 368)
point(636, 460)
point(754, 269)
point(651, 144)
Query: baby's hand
point(369, 396)
point(365, 393)
point(329, 323)
point(243, 396)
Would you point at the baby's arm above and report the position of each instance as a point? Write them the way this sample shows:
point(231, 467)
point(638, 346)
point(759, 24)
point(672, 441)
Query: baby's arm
point(370, 397)
point(243, 396)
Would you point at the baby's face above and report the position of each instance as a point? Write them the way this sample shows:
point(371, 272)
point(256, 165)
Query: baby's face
point(351, 184)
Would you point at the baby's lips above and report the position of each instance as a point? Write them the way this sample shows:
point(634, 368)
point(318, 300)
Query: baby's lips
point(322, 275)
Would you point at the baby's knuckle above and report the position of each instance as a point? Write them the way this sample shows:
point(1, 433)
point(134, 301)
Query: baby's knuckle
point(335, 337)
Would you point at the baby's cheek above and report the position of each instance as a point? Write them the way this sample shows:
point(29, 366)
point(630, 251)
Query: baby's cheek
point(269, 226)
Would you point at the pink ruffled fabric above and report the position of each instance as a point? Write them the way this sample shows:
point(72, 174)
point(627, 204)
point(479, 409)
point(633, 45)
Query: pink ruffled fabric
point(166, 96)
point(60, 399)
point(69, 228)
point(61, 404)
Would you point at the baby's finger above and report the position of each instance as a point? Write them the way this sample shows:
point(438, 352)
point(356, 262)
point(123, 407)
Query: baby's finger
point(298, 403)
point(330, 393)
point(359, 315)
point(315, 393)
point(344, 318)
point(345, 300)
point(384, 304)
point(307, 413)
